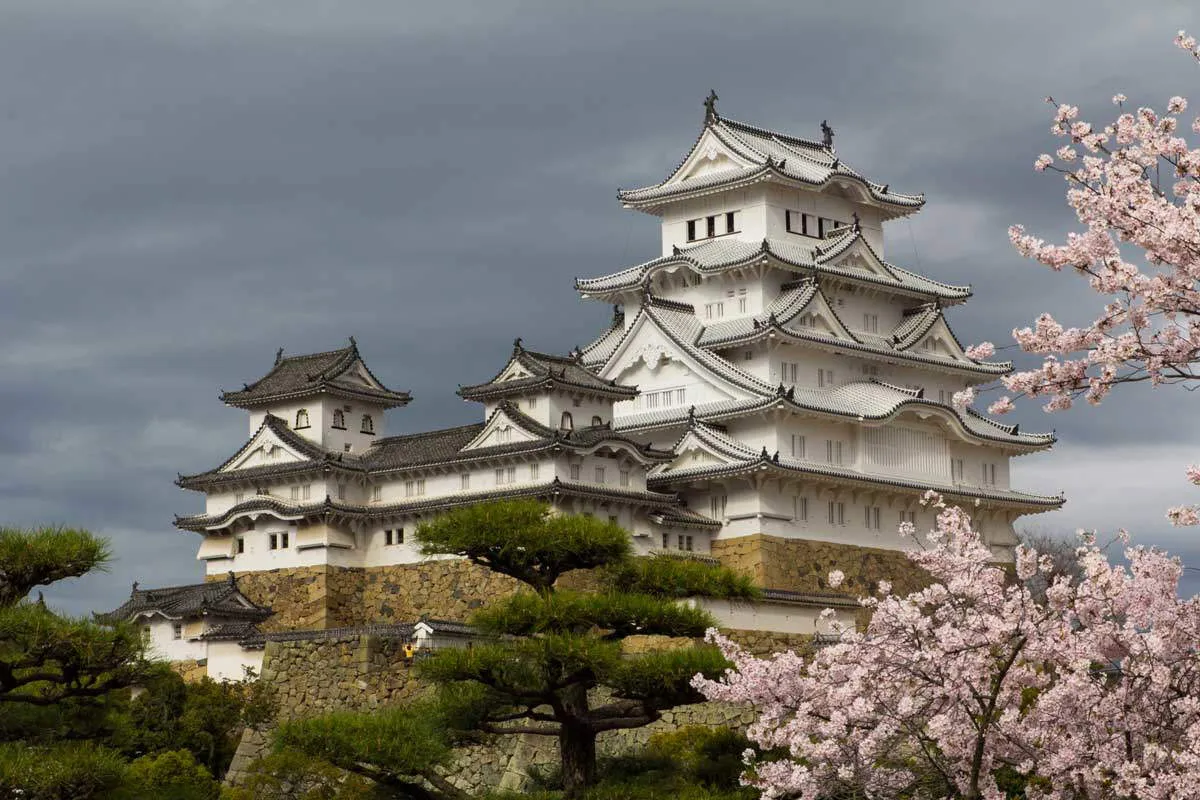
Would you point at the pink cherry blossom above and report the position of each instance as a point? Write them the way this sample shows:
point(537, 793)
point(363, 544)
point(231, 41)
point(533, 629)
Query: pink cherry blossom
point(836, 577)
point(1087, 688)
point(981, 351)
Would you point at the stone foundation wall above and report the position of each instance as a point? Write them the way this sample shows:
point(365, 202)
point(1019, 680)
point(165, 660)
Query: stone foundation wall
point(299, 596)
point(191, 670)
point(446, 589)
point(803, 565)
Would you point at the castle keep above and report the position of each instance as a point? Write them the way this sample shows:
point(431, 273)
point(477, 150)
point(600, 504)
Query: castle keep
point(772, 392)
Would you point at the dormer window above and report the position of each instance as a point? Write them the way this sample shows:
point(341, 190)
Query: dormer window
point(302, 418)
point(339, 419)
point(566, 424)
point(368, 424)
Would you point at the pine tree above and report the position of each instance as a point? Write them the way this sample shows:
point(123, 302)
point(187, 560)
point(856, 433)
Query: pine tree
point(554, 665)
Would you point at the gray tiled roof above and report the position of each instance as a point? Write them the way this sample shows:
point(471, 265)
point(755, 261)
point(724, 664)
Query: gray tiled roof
point(301, 376)
point(546, 372)
point(810, 598)
point(598, 351)
point(744, 459)
point(802, 256)
point(774, 155)
point(232, 632)
point(216, 598)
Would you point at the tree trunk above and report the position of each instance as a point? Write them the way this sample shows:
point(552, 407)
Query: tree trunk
point(577, 746)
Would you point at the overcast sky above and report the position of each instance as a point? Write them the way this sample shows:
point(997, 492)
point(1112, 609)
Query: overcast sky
point(188, 186)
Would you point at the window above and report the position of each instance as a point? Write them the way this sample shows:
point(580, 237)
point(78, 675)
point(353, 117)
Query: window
point(800, 508)
point(574, 472)
point(666, 541)
point(420, 486)
point(683, 542)
point(274, 541)
point(410, 488)
point(597, 422)
point(301, 492)
point(956, 469)
point(599, 474)
point(177, 630)
point(341, 491)
point(533, 472)
point(799, 446)
point(339, 419)
point(789, 370)
point(824, 377)
point(908, 516)
point(347, 447)
point(680, 394)
point(989, 474)
point(240, 545)
point(376, 494)
point(730, 222)
point(499, 476)
point(531, 402)
point(742, 300)
point(833, 451)
point(691, 229)
point(714, 310)
point(368, 424)
point(511, 474)
point(870, 370)
point(393, 536)
point(302, 418)
point(748, 355)
point(237, 498)
point(613, 519)
point(803, 224)
point(566, 423)
point(624, 477)
point(826, 226)
point(710, 225)
point(717, 504)
point(871, 517)
point(295, 492)
point(576, 402)
point(465, 478)
point(283, 540)
point(837, 513)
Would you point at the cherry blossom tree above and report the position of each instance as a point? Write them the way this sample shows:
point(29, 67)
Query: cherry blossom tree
point(976, 688)
point(1134, 185)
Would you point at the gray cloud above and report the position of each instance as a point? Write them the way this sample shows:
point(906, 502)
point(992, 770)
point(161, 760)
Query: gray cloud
point(191, 185)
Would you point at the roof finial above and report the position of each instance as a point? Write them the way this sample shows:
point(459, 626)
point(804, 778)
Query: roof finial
point(135, 585)
point(826, 133)
point(691, 414)
point(232, 579)
point(353, 343)
point(857, 222)
point(517, 343)
point(279, 355)
point(710, 107)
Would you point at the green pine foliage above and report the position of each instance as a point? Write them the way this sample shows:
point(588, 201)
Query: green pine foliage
point(555, 665)
point(64, 771)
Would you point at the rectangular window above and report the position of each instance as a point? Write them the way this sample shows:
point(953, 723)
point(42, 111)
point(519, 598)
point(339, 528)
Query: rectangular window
point(531, 402)
point(466, 480)
point(798, 446)
point(305, 492)
point(871, 517)
point(499, 476)
point(613, 519)
point(989, 474)
point(387, 537)
point(832, 513)
point(956, 469)
point(420, 486)
point(376, 494)
point(787, 222)
point(512, 474)
point(824, 378)
point(624, 477)
point(691, 230)
point(283, 540)
point(800, 509)
point(908, 516)
point(410, 488)
point(393, 536)
point(729, 222)
point(711, 226)
point(680, 396)
point(788, 371)
point(574, 472)
point(177, 630)
point(295, 492)
point(870, 370)
point(599, 474)
point(833, 451)
point(341, 491)
point(533, 472)
point(871, 323)
point(237, 498)
point(240, 547)
point(273, 541)
point(666, 542)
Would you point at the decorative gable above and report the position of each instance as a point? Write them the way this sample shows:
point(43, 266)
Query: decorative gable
point(501, 429)
point(939, 340)
point(708, 156)
point(265, 448)
point(693, 451)
point(819, 317)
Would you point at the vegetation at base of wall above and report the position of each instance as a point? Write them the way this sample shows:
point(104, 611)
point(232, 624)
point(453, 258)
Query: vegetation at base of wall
point(64, 771)
point(291, 775)
point(552, 648)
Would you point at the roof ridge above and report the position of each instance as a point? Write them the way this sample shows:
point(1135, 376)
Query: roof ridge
point(785, 137)
point(421, 434)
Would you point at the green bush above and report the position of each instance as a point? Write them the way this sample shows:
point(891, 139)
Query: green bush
point(710, 756)
point(173, 774)
point(292, 775)
point(75, 771)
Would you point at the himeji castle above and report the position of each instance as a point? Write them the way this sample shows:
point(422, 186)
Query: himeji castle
point(772, 392)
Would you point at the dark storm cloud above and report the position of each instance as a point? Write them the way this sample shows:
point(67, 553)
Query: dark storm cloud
point(190, 185)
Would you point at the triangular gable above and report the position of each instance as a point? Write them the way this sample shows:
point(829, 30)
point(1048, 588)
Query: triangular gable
point(817, 316)
point(939, 340)
point(357, 374)
point(501, 429)
point(646, 354)
point(514, 370)
point(859, 256)
point(709, 155)
point(265, 448)
point(695, 451)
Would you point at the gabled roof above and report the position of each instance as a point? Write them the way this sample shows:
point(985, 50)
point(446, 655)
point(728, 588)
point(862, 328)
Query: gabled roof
point(212, 598)
point(314, 458)
point(341, 373)
point(527, 371)
point(450, 446)
point(802, 256)
point(776, 322)
point(765, 155)
point(740, 459)
point(871, 400)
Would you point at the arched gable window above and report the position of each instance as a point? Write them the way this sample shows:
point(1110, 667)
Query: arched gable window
point(302, 418)
point(368, 424)
point(567, 423)
point(339, 419)
point(597, 422)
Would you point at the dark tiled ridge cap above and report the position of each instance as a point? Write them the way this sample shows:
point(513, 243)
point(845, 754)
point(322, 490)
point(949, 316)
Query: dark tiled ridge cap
point(572, 373)
point(398, 630)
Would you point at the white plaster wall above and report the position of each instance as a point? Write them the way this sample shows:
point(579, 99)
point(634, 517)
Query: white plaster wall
point(226, 661)
point(287, 412)
point(748, 203)
point(776, 617)
point(163, 644)
point(335, 439)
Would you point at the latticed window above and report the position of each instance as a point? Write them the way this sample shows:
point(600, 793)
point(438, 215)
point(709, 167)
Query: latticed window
point(368, 424)
point(302, 418)
point(339, 419)
point(566, 423)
